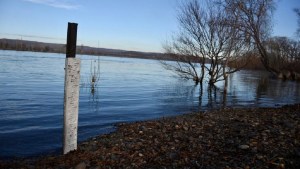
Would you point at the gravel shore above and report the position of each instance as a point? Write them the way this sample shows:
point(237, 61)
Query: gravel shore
point(226, 138)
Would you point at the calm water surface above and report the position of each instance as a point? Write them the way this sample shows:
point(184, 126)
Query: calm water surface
point(32, 91)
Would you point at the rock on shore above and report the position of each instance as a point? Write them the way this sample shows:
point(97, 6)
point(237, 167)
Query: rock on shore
point(226, 138)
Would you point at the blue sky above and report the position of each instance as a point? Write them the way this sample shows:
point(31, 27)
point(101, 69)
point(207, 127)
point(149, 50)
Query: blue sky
point(142, 25)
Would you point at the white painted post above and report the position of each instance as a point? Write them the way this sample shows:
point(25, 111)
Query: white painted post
point(71, 97)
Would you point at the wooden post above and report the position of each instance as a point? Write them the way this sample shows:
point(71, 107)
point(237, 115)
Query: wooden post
point(71, 97)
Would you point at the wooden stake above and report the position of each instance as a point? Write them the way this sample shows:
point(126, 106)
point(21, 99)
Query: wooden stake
point(71, 96)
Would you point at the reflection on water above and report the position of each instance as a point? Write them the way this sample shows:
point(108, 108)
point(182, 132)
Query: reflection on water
point(31, 97)
point(262, 85)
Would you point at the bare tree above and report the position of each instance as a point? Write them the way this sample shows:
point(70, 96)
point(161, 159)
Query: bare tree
point(206, 42)
point(184, 65)
point(253, 18)
point(284, 54)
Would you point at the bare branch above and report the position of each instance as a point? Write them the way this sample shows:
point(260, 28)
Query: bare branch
point(207, 34)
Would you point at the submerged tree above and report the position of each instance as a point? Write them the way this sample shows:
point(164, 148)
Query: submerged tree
point(206, 43)
point(253, 18)
point(94, 74)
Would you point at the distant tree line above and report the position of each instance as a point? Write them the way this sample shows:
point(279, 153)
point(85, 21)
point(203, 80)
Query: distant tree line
point(24, 45)
point(20, 45)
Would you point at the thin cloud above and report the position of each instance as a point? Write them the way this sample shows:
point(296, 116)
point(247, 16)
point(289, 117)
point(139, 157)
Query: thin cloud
point(64, 4)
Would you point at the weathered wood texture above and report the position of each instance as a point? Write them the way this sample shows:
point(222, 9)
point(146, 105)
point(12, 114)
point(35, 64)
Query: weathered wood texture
point(71, 104)
point(71, 40)
point(71, 97)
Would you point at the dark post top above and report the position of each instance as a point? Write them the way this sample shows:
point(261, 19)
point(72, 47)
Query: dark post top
point(71, 40)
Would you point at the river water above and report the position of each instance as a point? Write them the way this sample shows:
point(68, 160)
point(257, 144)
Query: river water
point(32, 91)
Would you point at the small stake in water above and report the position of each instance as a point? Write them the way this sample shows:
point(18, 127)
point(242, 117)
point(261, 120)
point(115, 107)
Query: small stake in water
point(71, 97)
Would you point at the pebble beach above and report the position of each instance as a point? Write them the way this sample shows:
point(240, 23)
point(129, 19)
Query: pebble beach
point(224, 138)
